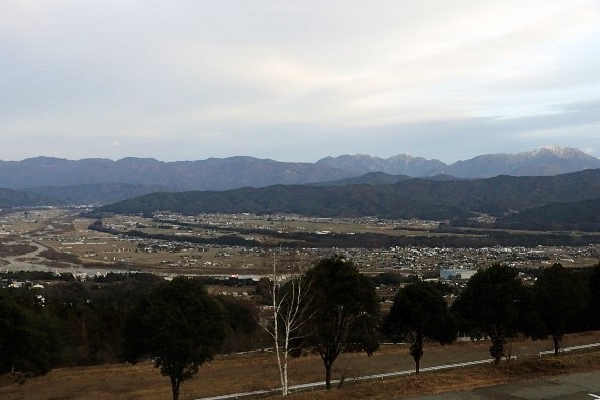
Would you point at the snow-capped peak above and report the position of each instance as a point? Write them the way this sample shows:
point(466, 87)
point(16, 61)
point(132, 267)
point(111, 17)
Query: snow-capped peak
point(563, 152)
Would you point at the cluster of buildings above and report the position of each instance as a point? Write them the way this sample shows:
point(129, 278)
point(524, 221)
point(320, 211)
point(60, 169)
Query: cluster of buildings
point(181, 256)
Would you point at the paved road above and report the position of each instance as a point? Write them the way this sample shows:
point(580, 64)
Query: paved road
point(584, 386)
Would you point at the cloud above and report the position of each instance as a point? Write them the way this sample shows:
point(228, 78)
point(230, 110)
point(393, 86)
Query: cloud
point(200, 79)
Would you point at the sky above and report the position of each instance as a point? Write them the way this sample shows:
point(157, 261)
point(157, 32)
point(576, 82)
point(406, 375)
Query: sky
point(297, 80)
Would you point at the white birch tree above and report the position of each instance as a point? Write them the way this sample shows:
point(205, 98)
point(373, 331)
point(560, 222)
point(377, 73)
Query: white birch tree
point(290, 301)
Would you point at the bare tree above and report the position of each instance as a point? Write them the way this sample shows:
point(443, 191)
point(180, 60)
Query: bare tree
point(290, 301)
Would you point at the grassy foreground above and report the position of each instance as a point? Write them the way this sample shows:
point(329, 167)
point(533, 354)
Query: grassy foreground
point(249, 372)
point(461, 379)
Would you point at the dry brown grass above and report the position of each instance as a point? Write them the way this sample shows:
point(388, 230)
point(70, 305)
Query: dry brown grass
point(143, 382)
point(463, 379)
point(242, 373)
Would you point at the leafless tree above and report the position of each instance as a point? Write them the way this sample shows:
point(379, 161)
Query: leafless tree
point(290, 300)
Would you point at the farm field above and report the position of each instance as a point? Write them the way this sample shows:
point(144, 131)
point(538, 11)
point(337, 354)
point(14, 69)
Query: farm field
point(249, 372)
point(74, 245)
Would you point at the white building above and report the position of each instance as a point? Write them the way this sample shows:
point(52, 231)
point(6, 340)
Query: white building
point(457, 273)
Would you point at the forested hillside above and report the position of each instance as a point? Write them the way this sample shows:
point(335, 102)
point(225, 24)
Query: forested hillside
point(14, 198)
point(579, 215)
point(412, 198)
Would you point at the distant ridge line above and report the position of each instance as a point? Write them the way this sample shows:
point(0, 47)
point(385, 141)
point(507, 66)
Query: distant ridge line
point(245, 171)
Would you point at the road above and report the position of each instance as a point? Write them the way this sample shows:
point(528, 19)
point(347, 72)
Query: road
point(584, 386)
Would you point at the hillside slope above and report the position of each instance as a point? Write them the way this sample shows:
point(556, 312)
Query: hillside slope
point(412, 198)
point(579, 215)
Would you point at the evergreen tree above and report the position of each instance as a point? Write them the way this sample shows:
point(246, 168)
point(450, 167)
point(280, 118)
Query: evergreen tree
point(559, 302)
point(420, 312)
point(344, 312)
point(493, 304)
point(179, 326)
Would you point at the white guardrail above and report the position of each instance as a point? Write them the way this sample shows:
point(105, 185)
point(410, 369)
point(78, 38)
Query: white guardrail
point(572, 348)
point(315, 385)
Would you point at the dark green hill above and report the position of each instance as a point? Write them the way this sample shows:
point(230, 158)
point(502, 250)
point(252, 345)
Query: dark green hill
point(504, 194)
point(579, 215)
point(411, 198)
point(331, 201)
point(372, 178)
point(381, 178)
point(94, 193)
point(13, 198)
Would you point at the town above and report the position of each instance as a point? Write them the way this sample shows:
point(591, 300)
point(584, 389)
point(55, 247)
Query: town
point(61, 240)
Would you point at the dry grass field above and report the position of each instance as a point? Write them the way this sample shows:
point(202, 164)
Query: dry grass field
point(26, 222)
point(241, 373)
point(463, 379)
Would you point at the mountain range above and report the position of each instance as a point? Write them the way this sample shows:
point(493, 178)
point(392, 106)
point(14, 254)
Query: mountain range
point(236, 172)
point(548, 160)
point(500, 196)
point(210, 174)
point(559, 202)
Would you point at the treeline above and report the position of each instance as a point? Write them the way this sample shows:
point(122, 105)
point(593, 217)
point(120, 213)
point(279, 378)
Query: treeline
point(487, 235)
point(468, 238)
point(330, 309)
point(73, 323)
point(488, 238)
point(229, 240)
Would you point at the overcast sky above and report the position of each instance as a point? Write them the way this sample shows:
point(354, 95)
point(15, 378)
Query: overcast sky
point(297, 80)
